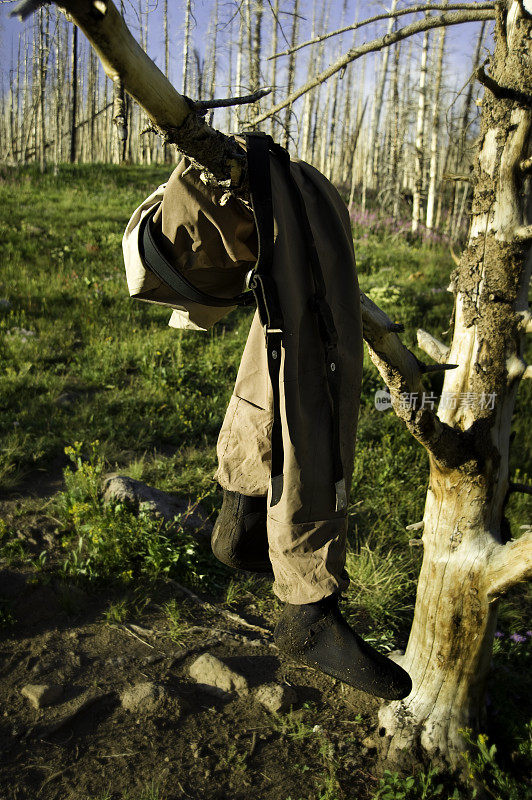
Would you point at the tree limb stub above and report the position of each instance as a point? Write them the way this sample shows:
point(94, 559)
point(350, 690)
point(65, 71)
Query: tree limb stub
point(464, 178)
point(524, 233)
point(503, 92)
point(525, 324)
point(450, 18)
point(432, 346)
point(401, 372)
point(232, 101)
point(173, 115)
point(510, 563)
point(416, 526)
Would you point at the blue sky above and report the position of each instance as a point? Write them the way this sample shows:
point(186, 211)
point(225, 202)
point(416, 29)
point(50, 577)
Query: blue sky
point(461, 39)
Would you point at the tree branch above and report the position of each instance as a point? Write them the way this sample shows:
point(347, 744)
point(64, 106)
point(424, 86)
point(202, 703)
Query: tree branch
point(401, 372)
point(524, 233)
point(465, 178)
point(432, 346)
point(452, 18)
point(510, 563)
point(173, 115)
point(398, 13)
point(526, 166)
point(232, 101)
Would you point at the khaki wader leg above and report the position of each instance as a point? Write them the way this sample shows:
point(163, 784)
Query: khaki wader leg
point(307, 537)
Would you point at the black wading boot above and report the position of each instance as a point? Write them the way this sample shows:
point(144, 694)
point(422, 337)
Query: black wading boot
point(317, 634)
point(239, 537)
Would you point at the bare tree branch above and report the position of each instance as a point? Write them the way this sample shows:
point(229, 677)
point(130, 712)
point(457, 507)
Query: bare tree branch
point(510, 563)
point(232, 101)
point(398, 13)
point(465, 178)
point(401, 372)
point(452, 18)
point(432, 346)
point(503, 91)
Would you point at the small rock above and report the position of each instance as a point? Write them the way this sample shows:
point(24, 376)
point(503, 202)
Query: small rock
point(195, 750)
point(74, 658)
point(154, 658)
point(369, 743)
point(141, 497)
point(41, 695)
point(144, 697)
point(210, 671)
point(276, 697)
point(116, 661)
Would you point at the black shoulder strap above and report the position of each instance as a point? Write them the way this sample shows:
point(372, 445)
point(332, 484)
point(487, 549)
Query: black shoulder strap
point(317, 303)
point(258, 147)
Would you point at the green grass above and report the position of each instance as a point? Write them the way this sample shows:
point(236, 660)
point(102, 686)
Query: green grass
point(100, 366)
point(101, 382)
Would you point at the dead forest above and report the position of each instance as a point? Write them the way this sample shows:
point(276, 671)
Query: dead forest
point(394, 129)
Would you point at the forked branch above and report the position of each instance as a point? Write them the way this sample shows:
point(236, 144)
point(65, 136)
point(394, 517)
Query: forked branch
point(450, 18)
point(378, 17)
point(401, 371)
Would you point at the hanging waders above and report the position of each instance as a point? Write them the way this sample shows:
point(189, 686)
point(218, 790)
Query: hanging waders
point(290, 427)
point(265, 294)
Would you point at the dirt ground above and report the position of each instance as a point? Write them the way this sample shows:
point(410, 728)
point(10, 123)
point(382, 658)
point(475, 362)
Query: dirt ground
point(192, 743)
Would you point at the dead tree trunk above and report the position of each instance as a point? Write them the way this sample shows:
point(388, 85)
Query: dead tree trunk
point(466, 566)
point(436, 102)
point(74, 95)
point(419, 144)
point(291, 74)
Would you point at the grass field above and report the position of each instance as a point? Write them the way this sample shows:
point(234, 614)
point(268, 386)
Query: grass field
point(92, 381)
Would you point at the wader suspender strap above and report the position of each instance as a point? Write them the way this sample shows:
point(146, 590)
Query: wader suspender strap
point(265, 290)
point(258, 147)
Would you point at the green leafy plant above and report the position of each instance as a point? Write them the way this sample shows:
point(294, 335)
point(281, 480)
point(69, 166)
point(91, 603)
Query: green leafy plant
point(485, 773)
point(112, 542)
point(421, 786)
point(117, 611)
point(176, 623)
point(7, 617)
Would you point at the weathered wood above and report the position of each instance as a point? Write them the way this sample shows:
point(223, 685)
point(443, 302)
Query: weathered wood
point(466, 567)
